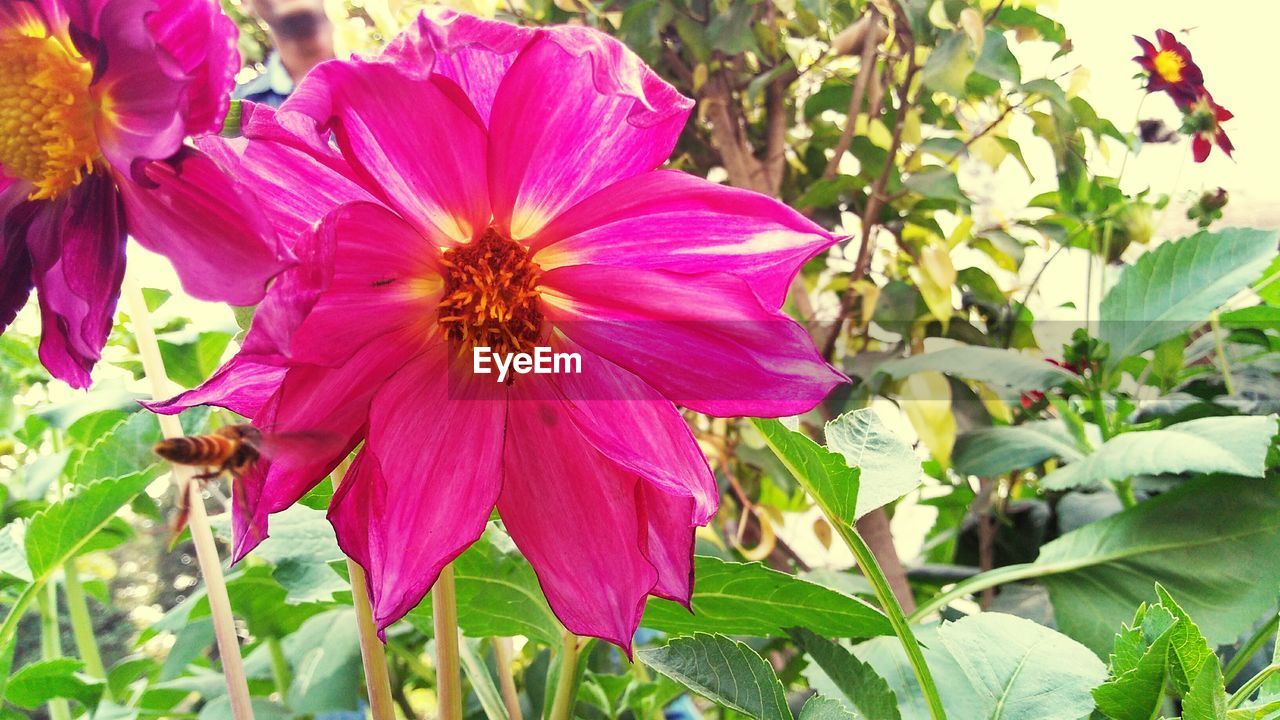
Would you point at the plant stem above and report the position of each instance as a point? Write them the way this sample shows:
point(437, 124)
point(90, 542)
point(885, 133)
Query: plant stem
point(280, 674)
point(503, 653)
point(566, 683)
point(224, 626)
point(889, 603)
point(1251, 648)
point(1221, 352)
point(978, 583)
point(51, 644)
point(1251, 686)
point(444, 611)
point(82, 625)
point(377, 678)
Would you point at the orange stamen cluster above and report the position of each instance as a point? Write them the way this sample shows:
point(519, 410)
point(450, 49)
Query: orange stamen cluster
point(46, 114)
point(490, 296)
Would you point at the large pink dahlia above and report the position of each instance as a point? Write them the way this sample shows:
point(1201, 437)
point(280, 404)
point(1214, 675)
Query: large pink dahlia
point(96, 98)
point(494, 186)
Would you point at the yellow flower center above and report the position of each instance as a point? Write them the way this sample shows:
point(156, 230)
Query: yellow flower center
point(1169, 65)
point(46, 114)
point(490, 296)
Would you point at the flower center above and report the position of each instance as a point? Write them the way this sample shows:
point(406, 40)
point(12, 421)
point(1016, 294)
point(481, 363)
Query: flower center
point(490, 296)
point(1169, 65)
point(46, 114)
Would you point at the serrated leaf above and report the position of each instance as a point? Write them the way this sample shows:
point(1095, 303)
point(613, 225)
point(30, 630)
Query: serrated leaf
point(1177, 285)
point(57, 533)
point(1136, 689)
point(824, 474)
point(1231, 445)
point(1005, 368)
point(724, 671)
point(825, 708)
point(751, 599)
point(997, 450)
point(888, 467)
point(863, 689)
point(1190, 651)
point(1214, 543)
point(1207, 698)
point(39, 682)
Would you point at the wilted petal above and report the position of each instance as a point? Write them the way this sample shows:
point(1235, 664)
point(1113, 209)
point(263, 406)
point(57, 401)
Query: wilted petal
point(77, 254)
point(576, 113)
point(574, 514)
point(427, 486)
point(419, 143)
point(667, 220)
point(655, 442)
point(189, 210)
point(383, 278)
point(203, 41)
point(704, 341)
point(240, 385)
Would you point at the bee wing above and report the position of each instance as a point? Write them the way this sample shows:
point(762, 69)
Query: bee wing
point(299, 447)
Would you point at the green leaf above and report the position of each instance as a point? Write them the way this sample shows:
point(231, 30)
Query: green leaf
point(825, 708)
point(993, 366)
point(824, 474)
point(949, 64)
point(1207, 699)
point(751, 599)
point(1232, 445)
point(124, 449)
point(996, 61)
point(863, 689)
point(937, 183)
point(325, 655)
point(997, 450)
point(724, 671)
point(1135, 690)
point(1190, 651)
point(1019, 670)
point(1213, 542)
point(1177, 285)
point(41, 681)
point(1260, 317)
point(730, 32)
point(889, 468)
point(57, 533)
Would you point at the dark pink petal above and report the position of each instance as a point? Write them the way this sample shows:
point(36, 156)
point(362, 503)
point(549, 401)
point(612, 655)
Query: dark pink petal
point(473, 52)
point(328, 404)
point(291, 297)
point(667, 220)
point(15, 274)
point(704, 341)
point(189, 210)
point(575, 515)
point(383, 278)
point(655, 442)
point(1200, 147)
point(77, 255)
point(141, 91)
point(669, 537)
point(241, 386)
point(433, 470)
point(417, 143)
point(203, 41)
point(576, 113)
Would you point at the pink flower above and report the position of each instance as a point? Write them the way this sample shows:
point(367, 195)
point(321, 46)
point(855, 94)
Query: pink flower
point(95, 100)
point(1169, 67)
point(498, 186)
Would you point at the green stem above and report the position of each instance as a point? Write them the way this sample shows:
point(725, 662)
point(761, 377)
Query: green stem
point(444, 611)
point(1251, 647)
point(566, 683)
point(1251, 686)
point(51, 644)
point(889, 603)
point(279, 668)
point(1221, 351)
point(82, 625)
point(978, 583)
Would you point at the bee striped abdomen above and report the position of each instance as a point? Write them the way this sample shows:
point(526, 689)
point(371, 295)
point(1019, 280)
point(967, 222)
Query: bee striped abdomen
point(204, 450)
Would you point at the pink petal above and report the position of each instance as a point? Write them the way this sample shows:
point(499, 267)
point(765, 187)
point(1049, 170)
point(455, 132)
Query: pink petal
point(667, 220)
point(576, 113)
point(203, 41)
point(669, 536)
point(654, 442)
point(383, 277)
point(575, 515)
point(268, 164)
point(15, 275)
point(473, 52)
point(703, 341)
point(140, 90)
point(328, 404)
point(77, 254)
point(291, 297)
point(417, 504)
point(418, 143)
point(189, 210)
point(240, 385)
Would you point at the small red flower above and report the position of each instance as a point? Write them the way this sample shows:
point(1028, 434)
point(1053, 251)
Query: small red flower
point(1170, 68)
point(1203, 121)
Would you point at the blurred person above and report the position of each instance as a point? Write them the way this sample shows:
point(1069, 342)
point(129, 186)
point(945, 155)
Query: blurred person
point(302, 36)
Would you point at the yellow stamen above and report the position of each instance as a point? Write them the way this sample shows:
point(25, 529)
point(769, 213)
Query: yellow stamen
point(491, 296)
point(46, 114)
point(1169, 65)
